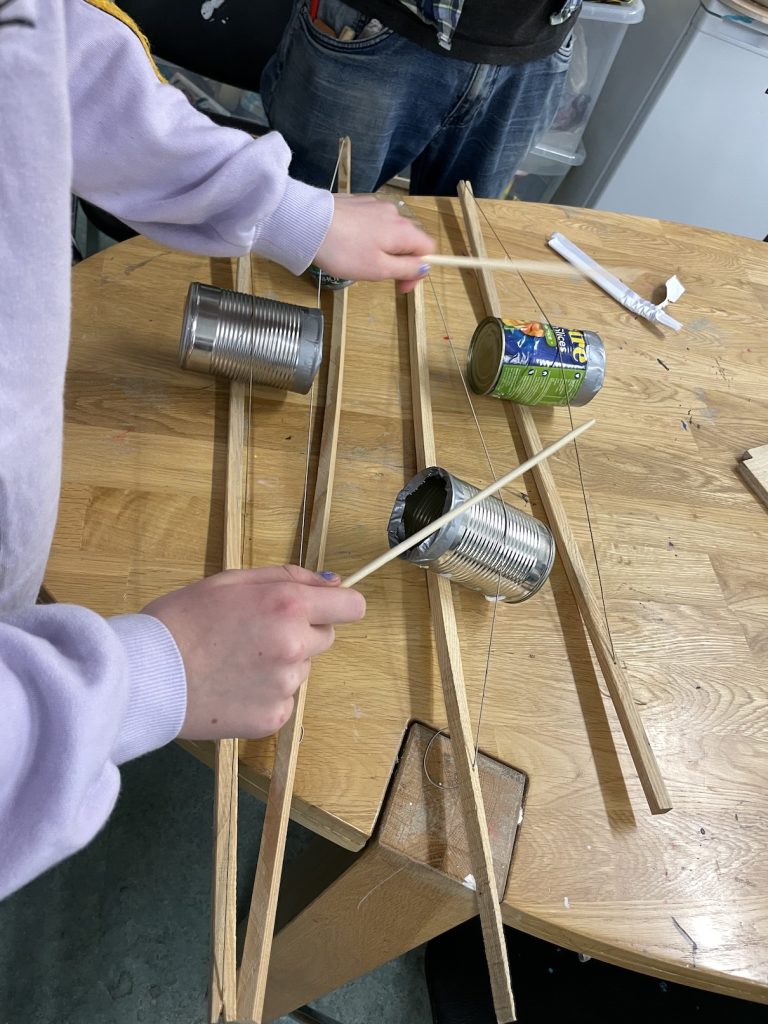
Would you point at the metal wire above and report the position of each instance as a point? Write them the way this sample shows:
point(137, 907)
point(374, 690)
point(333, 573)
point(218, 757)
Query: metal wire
point(491, 467)
point(575, 445)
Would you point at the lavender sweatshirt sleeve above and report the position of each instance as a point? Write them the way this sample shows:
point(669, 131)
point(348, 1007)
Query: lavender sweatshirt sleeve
point(81, 109)
point(143, 153)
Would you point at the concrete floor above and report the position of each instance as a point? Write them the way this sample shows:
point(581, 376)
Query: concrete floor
point(120, 933)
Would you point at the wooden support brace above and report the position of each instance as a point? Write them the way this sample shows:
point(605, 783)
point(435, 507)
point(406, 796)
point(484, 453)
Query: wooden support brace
point(454, 691)
point(223, 982)
point(261, 918)
point(346, 914)
point(645, 762)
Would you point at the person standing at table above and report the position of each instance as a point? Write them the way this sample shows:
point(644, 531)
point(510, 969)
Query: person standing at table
point(82, 109)
point(453, 90)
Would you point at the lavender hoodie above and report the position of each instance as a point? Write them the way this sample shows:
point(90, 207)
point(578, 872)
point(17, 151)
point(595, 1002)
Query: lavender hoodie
point(82, 110)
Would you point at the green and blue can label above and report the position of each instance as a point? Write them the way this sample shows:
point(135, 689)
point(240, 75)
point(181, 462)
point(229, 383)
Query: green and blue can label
point(535, 363)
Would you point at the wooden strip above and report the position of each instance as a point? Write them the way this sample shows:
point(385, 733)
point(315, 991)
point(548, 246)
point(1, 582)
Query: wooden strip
point(555, 268)
point(447, 517)
point(753, 466)
point(223, 983)
point(254, 967)
point(454, 692)
point(618, 685)
point(326, 468)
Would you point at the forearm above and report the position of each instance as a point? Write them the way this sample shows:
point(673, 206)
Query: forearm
point(143, 153)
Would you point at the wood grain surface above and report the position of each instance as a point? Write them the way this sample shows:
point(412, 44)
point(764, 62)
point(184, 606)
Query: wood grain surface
point(680, 540)
point(523, 422)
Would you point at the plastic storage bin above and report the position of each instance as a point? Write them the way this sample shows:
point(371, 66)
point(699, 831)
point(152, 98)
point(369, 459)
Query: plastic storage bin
point(541, 173)
point(598, 35)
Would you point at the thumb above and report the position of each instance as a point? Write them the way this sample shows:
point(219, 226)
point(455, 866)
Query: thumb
point(405, 268)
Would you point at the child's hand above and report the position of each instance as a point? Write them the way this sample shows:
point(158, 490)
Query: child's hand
point(369, 240)
point(246, 638)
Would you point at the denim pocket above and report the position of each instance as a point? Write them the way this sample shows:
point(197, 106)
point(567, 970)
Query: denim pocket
point(342, 16)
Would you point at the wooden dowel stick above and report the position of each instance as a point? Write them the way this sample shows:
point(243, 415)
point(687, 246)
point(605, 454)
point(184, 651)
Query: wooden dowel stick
point(254, 969)
point(556, 269)
point(433, 527)
point(223, 983)
point(454, 692)
point(618, 686)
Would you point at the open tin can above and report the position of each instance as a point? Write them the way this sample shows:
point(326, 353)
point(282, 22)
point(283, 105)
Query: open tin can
point(491, 547)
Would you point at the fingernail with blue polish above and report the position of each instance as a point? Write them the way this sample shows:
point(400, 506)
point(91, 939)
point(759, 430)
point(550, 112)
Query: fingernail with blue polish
point(328, 575)
point(424, 269)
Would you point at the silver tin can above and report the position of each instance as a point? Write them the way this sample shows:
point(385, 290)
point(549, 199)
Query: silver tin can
point(245, 337)
point(492, 547)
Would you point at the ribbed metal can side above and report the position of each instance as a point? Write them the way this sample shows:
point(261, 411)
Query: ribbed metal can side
point(246, 337)
point(492, 547)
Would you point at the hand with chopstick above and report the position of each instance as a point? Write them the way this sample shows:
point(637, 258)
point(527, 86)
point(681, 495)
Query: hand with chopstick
point(369, 240)
point(246, 638)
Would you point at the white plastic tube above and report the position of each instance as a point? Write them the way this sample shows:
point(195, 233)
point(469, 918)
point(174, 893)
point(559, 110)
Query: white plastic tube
point(610, 284)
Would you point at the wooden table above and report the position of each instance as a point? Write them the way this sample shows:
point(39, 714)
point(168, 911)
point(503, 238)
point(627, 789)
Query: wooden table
point(680, 540)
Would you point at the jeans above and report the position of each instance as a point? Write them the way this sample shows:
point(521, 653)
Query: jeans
point(404, 106)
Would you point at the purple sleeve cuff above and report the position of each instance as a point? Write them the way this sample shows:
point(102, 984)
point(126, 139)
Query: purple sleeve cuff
point(157, 686)
point(294, 232)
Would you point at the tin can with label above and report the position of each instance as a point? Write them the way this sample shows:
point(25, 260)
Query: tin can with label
point(535, 363)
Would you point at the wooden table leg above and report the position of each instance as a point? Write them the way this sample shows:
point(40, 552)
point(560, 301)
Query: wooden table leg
point(412, 881)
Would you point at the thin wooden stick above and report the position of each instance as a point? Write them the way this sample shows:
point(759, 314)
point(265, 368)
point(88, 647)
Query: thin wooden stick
point(555, 268)
point(435, 525)
point(454, 692)
point(254, 967)
point(618, 686)
point(223, 982)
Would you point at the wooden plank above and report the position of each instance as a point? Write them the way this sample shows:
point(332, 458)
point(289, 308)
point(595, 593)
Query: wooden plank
point(223, 982)
point(410, 883)
point(639, 745)
point(266, 887)
point(753, 466)
point(454, 690)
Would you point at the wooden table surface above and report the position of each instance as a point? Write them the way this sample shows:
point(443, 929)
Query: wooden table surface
point(680, 541)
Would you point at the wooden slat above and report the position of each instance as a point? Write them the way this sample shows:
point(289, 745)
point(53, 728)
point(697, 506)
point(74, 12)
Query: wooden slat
point(223, 982)
point(454, 691)
point(753, 466)
point(266, 887)
point(559, 269)
point(644, 759)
